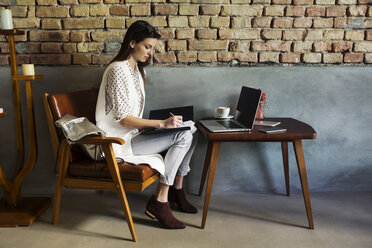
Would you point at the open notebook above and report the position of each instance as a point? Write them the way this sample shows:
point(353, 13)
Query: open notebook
point(187, 113)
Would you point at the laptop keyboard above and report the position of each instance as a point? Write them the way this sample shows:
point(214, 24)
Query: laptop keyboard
point(229, 124)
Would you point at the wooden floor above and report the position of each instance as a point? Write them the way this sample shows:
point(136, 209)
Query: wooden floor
point(91, 220)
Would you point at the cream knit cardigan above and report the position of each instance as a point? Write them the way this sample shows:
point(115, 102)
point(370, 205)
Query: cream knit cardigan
point(113, 128)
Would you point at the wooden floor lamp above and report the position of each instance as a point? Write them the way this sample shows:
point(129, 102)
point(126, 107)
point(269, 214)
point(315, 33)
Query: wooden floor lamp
point(16, 210)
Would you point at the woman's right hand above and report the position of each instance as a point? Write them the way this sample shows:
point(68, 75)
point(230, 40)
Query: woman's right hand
point(173, 121)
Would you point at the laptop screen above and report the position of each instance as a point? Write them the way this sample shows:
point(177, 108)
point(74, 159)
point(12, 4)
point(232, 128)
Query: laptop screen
point(247, 106)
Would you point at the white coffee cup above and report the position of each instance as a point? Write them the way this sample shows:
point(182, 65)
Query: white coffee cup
point(222, 112)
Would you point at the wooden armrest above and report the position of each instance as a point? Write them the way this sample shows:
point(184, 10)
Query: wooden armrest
point(99, 140)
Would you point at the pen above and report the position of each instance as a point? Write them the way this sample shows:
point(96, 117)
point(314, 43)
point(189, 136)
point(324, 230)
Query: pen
point(173, 115)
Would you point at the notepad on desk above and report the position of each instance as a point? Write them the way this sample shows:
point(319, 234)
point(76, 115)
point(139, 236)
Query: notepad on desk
point(266, 123)
point(273, 130)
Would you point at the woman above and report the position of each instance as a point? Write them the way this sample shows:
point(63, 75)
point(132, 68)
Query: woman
point(119, 112)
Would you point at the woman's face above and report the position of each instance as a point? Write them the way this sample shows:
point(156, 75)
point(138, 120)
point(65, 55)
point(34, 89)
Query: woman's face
point(143, 50)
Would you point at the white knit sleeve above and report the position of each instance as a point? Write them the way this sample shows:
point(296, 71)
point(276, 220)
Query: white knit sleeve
point(117, 94)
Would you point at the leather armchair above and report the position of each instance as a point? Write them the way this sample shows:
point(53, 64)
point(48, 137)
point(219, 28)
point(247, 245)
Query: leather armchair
point(75, 170)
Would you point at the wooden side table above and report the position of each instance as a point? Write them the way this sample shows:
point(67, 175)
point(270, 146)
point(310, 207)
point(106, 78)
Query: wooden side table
point(296, 132)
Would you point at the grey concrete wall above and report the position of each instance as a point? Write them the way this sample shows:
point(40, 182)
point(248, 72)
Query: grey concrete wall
point(335, 101)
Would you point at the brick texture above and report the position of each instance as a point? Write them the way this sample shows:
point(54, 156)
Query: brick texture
point(332, 58)
point(69, 48)
point(269, 57)
point(177, 45)
point(315, 11)
point(115, 23)
point(206, 33)
point(368, 58)
point(119, 10)
point(140, 10)
point(178, 21)
point(90, 32)
point(187, 9)
point(208, 45)
point(51, 59)
point(246, 34)
point(82, 59)
point(207, 56)
point(165, 9)
point(51, 48)
point(167, 33)
point(168, 58)
point(341, 47)
point(241, 10)
point(51, 24)
point(269, 34)
point(353, 58)
point(210, 9)
point(240, 56)
point(322, 46)
point(302, 46)
point(99, 10)
point(199, 21)
point(290, 58)
point(52, 11)
point(79, 11)
point(312, 57)
point(187, 33)
point(187, 57)
point(241, 22)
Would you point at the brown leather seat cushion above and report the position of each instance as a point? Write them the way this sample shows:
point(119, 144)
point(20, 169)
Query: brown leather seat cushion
point(132, 172)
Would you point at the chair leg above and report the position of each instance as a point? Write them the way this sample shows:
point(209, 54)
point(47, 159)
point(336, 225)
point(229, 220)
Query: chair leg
point(115, 174)
point(63, 158)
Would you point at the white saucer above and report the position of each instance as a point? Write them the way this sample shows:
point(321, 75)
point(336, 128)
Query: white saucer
point(227, 117)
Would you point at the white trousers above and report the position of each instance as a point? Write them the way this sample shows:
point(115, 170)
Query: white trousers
point(180, 146)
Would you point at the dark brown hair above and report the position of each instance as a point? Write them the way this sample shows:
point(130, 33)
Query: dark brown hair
point(138, 31)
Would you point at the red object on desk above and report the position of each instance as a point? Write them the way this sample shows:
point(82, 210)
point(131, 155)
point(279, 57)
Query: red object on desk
point(260, 112)
point(261, 106)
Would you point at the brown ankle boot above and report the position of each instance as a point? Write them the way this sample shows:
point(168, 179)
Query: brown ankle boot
point(161, 211)
point(177, 196)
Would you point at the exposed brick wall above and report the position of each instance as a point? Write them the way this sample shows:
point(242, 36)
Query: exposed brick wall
point(89, 32)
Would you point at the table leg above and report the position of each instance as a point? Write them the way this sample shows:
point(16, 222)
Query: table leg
point(297, 144)
point(285, 165)
point(215, 149)
point(207, 162)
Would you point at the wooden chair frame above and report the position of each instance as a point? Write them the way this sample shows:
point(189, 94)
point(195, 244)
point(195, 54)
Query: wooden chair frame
point(62, 148)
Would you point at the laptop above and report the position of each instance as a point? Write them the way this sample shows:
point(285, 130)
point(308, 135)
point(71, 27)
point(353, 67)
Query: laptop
point(244, 115)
